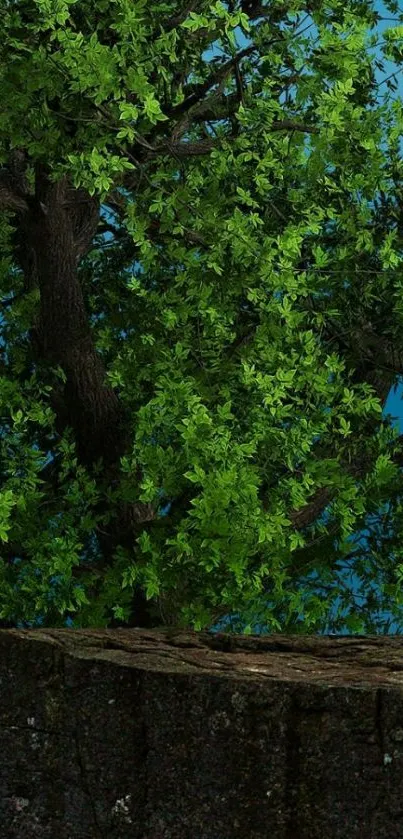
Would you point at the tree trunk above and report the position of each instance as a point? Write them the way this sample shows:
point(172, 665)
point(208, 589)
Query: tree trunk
point(54, 231)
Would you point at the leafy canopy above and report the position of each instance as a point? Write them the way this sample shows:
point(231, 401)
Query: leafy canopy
point(243, 309)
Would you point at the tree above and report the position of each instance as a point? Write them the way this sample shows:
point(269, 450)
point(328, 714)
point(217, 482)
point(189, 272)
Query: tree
point(241, 371)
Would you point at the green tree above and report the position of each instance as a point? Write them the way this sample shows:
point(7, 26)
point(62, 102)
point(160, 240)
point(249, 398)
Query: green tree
point(241, 371)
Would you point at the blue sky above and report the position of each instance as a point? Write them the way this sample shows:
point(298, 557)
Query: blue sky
point(394, 403)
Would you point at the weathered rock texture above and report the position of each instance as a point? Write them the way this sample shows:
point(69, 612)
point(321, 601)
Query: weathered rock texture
point(165, 734)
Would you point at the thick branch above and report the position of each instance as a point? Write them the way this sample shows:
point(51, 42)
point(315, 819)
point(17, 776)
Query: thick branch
point(174, 22)
point(13, 185)
point(51, 243)
point(220, 106)
point(9, 197)
point(197, 91)
point(255, 9)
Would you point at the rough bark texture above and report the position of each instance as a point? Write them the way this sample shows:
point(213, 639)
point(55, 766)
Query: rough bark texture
point(134, 734)
point(54, 233)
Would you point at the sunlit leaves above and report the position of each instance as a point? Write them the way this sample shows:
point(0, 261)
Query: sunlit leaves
point(224, 349)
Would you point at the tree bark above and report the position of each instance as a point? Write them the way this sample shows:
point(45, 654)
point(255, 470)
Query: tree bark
point(54, 229)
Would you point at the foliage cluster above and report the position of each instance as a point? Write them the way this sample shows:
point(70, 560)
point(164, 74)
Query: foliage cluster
point(246, 312)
